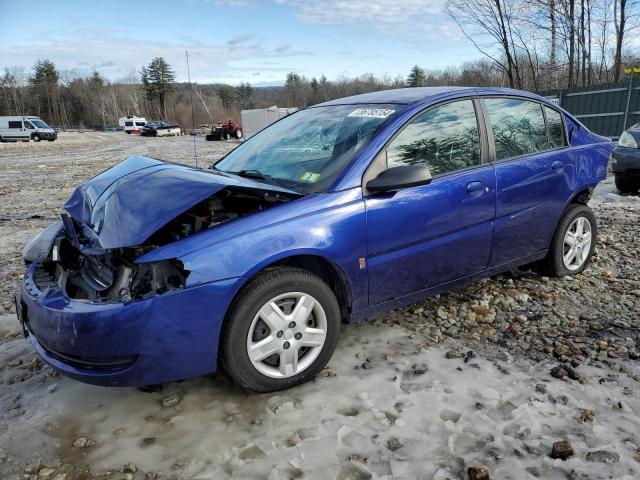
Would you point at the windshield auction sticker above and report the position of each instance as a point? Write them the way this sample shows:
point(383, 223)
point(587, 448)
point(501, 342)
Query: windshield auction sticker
point(371, 112)
point(310, 177)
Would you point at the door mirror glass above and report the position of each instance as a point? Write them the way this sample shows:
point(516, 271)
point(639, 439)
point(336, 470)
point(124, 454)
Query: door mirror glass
point(396, 178)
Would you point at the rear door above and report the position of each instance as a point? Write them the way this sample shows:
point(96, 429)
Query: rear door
point(422, 237)
point(532, 175)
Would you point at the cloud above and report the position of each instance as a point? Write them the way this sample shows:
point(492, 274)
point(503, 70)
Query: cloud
point(239, 39)
point(376, 12)
point(283, 48)
point(118, 57)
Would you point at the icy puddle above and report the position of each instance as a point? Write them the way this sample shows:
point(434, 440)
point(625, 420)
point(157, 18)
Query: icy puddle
point(384, 409)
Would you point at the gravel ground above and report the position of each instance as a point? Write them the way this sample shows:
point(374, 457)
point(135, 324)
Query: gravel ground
point(488, 377)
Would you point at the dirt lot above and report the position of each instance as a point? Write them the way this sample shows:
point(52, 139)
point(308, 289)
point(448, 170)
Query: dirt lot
point(458, 381)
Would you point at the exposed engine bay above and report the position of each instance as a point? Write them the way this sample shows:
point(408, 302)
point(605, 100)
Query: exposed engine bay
point(84, 271)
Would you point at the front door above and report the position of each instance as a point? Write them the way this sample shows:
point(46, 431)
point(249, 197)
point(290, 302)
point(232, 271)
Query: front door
point(425, 236)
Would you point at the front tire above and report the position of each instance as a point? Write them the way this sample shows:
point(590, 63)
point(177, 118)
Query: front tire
point(281, 330)
point(626, 185)
point(35, 137)
point(573, 242)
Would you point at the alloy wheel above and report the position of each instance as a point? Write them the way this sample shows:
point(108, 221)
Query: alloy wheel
point(577, 243)
point(287, 335)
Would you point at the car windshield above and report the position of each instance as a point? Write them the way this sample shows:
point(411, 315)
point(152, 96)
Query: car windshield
point(39, 123)
point(307, 150)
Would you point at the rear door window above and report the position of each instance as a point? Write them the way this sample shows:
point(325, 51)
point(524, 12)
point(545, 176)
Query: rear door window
point(15, 124)
point(443, 139)
point(518, 127)
point(555, 128)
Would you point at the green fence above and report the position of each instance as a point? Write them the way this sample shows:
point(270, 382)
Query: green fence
point(607, 109)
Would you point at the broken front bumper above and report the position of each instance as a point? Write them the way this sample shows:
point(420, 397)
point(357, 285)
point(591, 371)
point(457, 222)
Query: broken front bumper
point(160, 339)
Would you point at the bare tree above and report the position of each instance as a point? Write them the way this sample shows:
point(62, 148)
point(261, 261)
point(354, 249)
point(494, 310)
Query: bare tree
point(492, 19)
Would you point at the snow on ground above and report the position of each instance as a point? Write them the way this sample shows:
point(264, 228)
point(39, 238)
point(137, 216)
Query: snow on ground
point(410, 413)
point(401, 398)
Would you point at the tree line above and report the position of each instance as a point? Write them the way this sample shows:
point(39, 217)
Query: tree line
point(552, 44)
point(534, 45)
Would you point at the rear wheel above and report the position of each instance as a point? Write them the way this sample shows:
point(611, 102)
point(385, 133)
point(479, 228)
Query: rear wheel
point(281, 331)
point(626, 185)
point(573, 242)
point(238, 134)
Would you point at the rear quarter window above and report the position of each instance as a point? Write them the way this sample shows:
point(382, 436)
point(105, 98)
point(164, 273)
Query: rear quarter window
point(555, 127)
point(14, 124)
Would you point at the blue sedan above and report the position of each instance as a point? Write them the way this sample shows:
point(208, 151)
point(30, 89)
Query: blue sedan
point(339, 212)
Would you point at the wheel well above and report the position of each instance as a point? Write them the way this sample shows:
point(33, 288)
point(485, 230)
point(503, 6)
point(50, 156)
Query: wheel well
point(328, 271)
point(582, 197)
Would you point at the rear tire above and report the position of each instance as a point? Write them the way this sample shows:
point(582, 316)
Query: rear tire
point(280, 331)
point(238, 134)
point(626, 185)
point(573, 242)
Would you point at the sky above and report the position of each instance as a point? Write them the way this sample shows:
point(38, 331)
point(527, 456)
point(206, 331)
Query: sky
point(233, 41)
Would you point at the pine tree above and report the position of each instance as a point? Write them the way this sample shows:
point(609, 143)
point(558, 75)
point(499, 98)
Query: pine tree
point(95, 81)
point(245, 95)
point(315, 90)
point(158, 80)
point(293, 87)
point(416, 77)
point(226, 96)
point(43, 83)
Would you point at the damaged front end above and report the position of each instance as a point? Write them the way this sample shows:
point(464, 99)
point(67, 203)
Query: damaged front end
point(69, 257)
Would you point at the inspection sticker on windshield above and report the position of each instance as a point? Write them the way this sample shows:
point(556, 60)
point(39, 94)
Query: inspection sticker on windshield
point(371, 112)
point(310, 177)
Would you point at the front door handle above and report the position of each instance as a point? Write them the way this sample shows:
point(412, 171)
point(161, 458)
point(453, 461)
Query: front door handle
point(475, 188)
point(557, 165)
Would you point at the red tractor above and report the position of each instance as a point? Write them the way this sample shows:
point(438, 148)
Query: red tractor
point(224, 131)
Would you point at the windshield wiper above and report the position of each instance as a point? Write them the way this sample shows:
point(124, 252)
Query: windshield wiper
point(256, 175)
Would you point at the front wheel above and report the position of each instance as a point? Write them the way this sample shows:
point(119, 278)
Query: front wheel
point(281, 331)
point(35, 137)
point(573, 242)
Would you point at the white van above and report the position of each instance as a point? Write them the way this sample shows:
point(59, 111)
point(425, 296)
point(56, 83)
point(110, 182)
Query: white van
point(24, 129)
point(133, 125)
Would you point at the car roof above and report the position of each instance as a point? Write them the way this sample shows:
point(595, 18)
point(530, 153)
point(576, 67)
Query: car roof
point(413, 95)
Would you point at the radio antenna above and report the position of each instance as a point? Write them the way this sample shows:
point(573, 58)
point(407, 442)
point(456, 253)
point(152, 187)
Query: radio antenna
point(193, 122)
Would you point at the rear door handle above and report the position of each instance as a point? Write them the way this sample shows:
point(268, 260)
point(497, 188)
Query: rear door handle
point(475, 188)
point(557, 165)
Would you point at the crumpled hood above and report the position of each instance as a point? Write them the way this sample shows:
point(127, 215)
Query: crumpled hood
point(126, 204)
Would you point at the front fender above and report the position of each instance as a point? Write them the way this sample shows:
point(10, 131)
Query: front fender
point(329, 226)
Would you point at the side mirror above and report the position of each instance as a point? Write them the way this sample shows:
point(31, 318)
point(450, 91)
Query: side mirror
point(396, 178)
